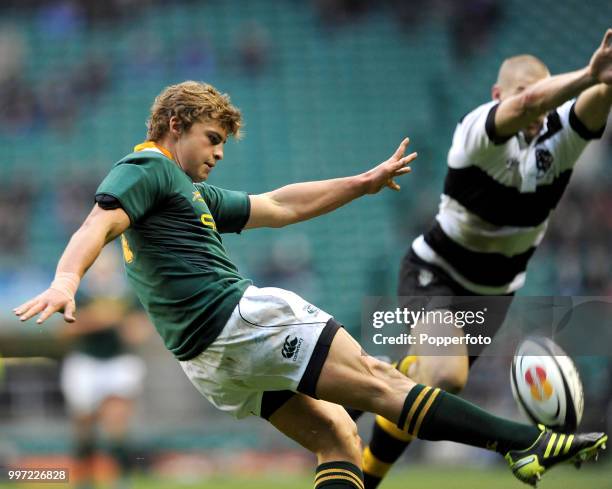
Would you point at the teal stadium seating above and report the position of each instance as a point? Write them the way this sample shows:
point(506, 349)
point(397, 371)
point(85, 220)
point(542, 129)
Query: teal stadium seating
point(328, 103)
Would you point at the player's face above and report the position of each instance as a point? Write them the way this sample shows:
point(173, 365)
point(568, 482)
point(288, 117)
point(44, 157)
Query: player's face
point(518, 85)
point(200, 148)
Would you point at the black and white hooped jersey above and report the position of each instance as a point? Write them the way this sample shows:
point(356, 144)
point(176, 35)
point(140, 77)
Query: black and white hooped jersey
point(498, 196)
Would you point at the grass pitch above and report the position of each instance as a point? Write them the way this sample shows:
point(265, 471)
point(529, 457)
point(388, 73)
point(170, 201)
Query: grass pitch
point(435, 477)
point(420, 478)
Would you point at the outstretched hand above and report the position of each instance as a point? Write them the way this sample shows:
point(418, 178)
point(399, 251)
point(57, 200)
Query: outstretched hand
point(601, 61)
point(383, 175)
point(47, 303)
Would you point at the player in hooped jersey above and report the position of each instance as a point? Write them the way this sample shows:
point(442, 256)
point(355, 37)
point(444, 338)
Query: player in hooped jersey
point(509, 164)
point(262, 351)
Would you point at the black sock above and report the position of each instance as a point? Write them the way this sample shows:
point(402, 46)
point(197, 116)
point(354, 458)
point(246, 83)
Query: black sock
point(338, 475)
point(387, 444)
point(432, 414)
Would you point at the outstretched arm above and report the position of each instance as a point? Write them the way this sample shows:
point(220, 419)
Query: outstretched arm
point(593, 105)
point(100, 227)
point(518, 111)
point(302, 201)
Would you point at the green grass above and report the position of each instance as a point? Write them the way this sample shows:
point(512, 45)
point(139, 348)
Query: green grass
point(418, 478)
point(411, 478)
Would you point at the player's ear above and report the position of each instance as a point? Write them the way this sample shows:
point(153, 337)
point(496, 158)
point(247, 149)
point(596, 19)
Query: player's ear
point(496, 92)
point(175, 126)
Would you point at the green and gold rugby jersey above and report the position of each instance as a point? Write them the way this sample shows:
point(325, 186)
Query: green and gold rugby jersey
point(173, 252)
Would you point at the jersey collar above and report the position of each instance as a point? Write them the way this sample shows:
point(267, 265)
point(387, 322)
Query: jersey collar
point(152, 145)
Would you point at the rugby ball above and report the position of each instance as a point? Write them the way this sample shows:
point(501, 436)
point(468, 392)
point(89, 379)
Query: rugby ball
point(546, 385)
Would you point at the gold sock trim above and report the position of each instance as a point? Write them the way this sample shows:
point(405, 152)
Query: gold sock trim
point(405, 363)
point(392, 430)
point(337, 477)
point(374, 466)
point(415, 407)
point(338, 474)
point(424, 411)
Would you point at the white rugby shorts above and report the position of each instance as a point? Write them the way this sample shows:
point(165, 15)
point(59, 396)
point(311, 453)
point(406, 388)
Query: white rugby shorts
point(274, 344)
point(86, 381)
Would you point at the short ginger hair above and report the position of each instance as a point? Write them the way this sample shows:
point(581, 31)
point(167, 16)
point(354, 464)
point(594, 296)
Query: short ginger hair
point(521, 66)
point(189, 102)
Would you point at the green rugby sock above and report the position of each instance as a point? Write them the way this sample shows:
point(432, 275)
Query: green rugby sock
point(432, 414)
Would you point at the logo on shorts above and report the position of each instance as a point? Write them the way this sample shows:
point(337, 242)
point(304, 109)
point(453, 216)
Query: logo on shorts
point(291, 347)
point(310, 309)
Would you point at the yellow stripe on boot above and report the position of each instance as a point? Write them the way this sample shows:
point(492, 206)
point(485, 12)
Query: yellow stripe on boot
point(550, 446)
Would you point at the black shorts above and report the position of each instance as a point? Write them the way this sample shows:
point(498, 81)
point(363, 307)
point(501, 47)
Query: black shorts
point(422, 285)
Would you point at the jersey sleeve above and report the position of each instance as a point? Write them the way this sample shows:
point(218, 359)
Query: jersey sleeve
point(568, 143)
point(476, 138)
point(230, 208)
point(138, 187)
point(569, 109)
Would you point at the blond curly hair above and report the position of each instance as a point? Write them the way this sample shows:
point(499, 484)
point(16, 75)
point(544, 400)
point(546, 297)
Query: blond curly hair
point(192, 101)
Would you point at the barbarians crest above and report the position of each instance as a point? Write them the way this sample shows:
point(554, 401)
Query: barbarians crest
point(544, 160)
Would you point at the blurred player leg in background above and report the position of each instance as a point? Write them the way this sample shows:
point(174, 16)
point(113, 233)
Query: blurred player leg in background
point(101, 378)
point(100, 394)
point(426, 287)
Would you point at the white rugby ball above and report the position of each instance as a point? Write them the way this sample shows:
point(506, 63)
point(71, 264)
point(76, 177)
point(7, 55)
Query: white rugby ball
point(546, 385)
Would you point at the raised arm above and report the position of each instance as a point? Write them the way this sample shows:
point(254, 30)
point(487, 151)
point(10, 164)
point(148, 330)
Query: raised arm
point(302, 201)
point(518, 111)
point(593, 105)
point(100, 227)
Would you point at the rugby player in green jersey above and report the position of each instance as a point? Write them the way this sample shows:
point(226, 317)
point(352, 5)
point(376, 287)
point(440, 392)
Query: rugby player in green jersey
point(264, 351)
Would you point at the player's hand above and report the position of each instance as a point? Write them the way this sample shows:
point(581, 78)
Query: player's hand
point(383, 175)
point(601, 61)
point(47, 303)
